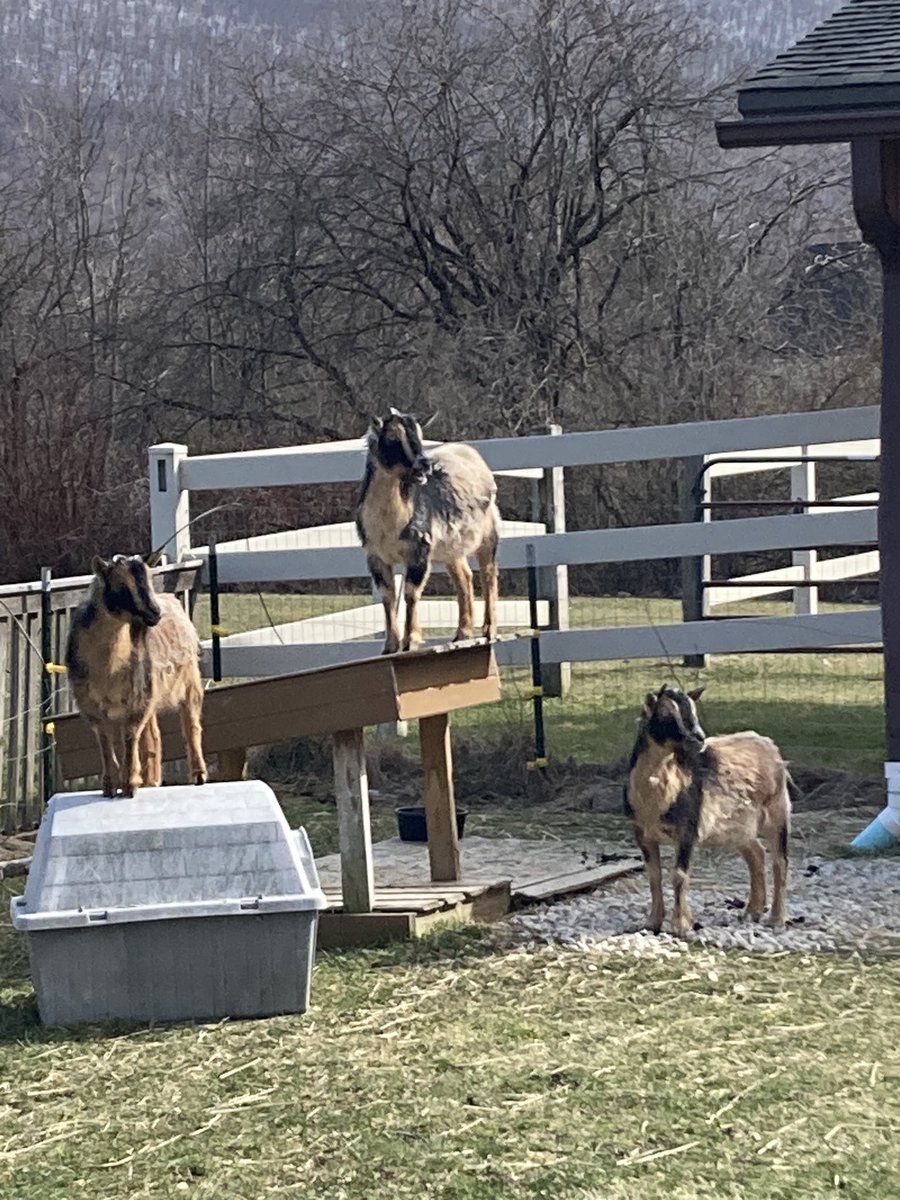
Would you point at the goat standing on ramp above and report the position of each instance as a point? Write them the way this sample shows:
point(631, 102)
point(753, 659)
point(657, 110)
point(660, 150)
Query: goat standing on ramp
point(416, 509)
point(691, 789)
point(132, 653)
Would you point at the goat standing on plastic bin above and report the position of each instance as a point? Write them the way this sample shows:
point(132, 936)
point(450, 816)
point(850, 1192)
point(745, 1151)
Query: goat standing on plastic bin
point(693, 790)
point(132, 653)
point(417, 508)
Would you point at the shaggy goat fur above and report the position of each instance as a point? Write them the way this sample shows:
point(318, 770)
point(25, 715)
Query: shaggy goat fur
point(416, 509)
point(692, 790)
point(132, 653)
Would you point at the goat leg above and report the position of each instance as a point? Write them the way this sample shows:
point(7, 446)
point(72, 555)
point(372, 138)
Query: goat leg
point(779, 844)
point(416, 577)
point(192, 731)
point(461, 574)
point(109, 764)
point(383, 578)
point(650, 851)
point(755, 857)
point(487, 569)
point(151, 754)
point(681, 917)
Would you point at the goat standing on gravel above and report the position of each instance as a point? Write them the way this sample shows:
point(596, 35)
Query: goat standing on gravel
point(416, 509)
point(691, 789)
point(132, 653)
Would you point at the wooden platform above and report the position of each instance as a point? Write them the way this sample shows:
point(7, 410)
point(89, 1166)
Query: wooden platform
point(414, 910)
point(408, 912)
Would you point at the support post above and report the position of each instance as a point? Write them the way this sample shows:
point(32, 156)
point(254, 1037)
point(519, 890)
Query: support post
point(440, 803)
point(46, 739)
point(876, 201)
point(803, 488)
point(693, 489)
point(232, 763)
point(169, 502)
point(351, 788)
point(553, 582)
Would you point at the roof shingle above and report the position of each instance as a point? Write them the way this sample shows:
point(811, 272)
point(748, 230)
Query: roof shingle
point(851, 62)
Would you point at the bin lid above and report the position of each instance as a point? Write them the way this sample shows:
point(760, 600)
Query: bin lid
point(221, 849)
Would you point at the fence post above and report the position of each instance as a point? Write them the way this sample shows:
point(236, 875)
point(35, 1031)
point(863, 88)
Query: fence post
point(803, 487)
point(553, 582)
point(693, 490)
point(46, 743)
point(170, 508)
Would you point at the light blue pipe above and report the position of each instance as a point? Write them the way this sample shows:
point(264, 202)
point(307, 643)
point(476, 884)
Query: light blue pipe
point(881, 834)
point(884, 832)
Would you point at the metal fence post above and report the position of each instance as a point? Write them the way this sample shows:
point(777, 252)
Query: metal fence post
point(170, 509)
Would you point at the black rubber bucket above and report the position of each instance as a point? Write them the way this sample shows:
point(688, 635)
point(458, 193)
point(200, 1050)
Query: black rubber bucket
point(412, 826)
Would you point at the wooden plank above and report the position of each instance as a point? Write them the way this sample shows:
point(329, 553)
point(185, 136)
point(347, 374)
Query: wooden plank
point(339, 930)
point(438, 700)
point(309, 703)
point(535, 890)
point(354, 830)
point(440, 804)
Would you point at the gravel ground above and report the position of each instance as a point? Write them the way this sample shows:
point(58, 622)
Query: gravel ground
point(832, 905)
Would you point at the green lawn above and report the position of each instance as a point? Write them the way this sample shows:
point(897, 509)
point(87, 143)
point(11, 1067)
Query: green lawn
point(467, 1068)
point(824, 710)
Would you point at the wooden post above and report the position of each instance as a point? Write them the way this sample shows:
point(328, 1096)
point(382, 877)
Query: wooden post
point(232, 763)
point(803, 487)
point(693, 570)
point(354, 832)
point(440, 805)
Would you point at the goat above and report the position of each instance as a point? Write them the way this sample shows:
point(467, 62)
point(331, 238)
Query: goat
point(693, 790)
point(416, 509)
point(132, 653)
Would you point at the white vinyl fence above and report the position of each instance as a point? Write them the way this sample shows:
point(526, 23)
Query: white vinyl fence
point(330, 552)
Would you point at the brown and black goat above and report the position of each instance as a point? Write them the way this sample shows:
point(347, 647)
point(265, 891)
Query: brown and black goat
point(132, 653)
point(416, 509)
point(694, 790)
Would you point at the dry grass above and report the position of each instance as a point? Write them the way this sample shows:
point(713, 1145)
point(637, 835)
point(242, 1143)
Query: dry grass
point(472, 1067)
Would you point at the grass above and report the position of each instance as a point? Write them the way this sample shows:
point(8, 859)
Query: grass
point(468, 1068)
point(824, 710)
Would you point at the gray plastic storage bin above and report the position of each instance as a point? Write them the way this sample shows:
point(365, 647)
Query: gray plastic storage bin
point(179, 903)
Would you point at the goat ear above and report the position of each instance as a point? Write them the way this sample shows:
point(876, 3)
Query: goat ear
point(395, 412)
point(650, 703)
point(99, 566)
point(153, 559)
point(430, 421)
point(696, 693)
point(376, 423)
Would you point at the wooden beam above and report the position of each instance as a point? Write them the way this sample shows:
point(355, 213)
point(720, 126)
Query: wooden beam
point(440, 804)
point(354, 833)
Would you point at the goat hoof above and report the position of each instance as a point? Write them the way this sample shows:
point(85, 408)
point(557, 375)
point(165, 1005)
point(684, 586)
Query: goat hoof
point(747, 915)
point(653, 927)
point(681, 929)
point(391, 647)
point(200, 778)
